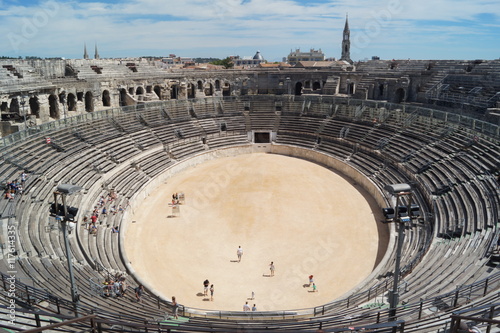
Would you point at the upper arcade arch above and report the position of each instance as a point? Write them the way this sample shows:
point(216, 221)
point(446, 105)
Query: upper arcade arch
point(89, 102)
point(71, 102)
point(53, 107)
point(106, 98)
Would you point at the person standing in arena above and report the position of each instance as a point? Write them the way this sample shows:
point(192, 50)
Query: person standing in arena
point(205, 287)
point(246, 307)
point(272, 268)
point(239, 253)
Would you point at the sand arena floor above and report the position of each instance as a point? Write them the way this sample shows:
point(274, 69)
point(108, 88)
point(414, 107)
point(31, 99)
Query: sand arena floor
point(300, 215)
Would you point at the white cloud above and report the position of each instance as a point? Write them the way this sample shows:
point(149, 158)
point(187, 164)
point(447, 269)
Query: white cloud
point(158, 25)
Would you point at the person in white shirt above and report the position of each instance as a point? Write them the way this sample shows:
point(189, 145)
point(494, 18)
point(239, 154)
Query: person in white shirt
point(239, 252)
point(246, 307)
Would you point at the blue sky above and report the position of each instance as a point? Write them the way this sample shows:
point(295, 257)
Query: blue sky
point(399, 29)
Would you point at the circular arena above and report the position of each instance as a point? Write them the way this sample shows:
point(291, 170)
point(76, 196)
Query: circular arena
point(124, 158)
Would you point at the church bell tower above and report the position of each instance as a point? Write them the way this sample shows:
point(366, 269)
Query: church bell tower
point(346, 42)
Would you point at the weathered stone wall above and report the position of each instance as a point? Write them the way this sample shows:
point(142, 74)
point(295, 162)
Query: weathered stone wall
point(55, 89)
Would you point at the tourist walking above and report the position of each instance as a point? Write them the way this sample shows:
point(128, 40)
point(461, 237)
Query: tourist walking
point(272, 268)
point(212, 292)
point(239, 253)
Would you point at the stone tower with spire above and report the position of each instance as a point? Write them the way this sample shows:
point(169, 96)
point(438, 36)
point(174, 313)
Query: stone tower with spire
point(85, 54)
point(346, 42)
point(96, 54)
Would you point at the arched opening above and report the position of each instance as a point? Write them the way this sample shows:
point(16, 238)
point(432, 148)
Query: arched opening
point(131, 90)
point(106, 99)
point(200, 85)
point(89, 102)
point(226, 91)
point(316, 85)
point(35, 106)
point(191, 91)
point(157, 90)
point(400, 95)
point(174, 91)
point(71, 102)
point(4, 106)
point(217, 85)
point(79, 96)
point(123, 97)
point(139, 91)
point(307, 84)
point(53, 107)
point(209, 91)
point(298, 89)
point(149, 89)
point(14, 106)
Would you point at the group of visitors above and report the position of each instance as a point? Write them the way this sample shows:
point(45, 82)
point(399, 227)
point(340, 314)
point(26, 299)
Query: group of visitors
point(115, 286)
point(14, 187)
point(175, 199)
point(206, 289)
point(246, 307)
point(100, 210)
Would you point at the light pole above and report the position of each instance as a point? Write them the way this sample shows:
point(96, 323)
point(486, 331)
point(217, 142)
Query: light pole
point(63, 190)
point(23, 105)
point(400, 215)
point(63, 102)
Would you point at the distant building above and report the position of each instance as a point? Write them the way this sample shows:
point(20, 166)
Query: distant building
point(173, 61)
point(298, 56)
point(248, 61)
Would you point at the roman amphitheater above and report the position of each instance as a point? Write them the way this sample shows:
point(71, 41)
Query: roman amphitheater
point(380, 178)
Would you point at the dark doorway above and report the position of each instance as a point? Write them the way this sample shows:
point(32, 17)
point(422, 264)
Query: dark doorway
point(191, 91)
point(14, 106)
point(123, 97)
point(316, 86)
point(174, 91)
point(381, 90)
point(350, 88)
point(53, 107)
point(89, 102)
point(157, 90)
point(71, 102)
point(262, 137)
point(298, 89)
point(139, 91)
point(217, 85)
point(400, 95)
point(106, 99)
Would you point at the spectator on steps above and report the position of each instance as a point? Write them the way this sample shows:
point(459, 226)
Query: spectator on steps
point(138, 292)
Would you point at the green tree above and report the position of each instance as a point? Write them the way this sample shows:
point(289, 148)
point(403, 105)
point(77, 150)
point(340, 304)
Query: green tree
point(227, 63)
